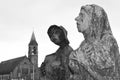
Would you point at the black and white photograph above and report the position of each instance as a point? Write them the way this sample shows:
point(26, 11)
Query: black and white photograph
point(59, 40)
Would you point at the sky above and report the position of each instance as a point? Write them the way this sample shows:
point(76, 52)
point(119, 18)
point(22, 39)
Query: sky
point(19, 18)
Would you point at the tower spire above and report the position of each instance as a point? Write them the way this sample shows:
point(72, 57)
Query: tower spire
point(33, 40)
point(33, 50)
point(33, 36)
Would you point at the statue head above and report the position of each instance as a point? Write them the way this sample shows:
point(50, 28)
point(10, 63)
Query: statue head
point(92, 21)
point(58, 35)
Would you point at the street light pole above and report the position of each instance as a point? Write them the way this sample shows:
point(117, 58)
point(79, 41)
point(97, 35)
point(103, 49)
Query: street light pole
point(33, 72)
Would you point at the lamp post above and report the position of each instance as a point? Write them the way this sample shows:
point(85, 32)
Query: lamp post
point(33, 72)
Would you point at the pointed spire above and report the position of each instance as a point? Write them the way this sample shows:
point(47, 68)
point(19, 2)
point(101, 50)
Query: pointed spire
point(33, 40)
point(33, 37)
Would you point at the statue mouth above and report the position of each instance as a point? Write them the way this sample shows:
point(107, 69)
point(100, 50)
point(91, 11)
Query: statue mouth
point(78, 23)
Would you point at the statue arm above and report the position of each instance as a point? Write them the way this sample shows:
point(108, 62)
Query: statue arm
point(43, 67)
point(73, 63)
point(78, 62)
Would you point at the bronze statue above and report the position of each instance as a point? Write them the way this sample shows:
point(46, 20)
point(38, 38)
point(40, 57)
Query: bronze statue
point(55, 66)
point(97, 56)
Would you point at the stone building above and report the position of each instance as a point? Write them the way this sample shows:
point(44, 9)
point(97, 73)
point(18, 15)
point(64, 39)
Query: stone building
point(22, 68)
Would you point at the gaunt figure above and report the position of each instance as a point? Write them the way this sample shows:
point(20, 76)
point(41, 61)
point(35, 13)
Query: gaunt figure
point(97, 56)
point(55, 66)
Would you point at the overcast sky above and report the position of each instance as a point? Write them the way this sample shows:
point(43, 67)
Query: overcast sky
point(18, 19)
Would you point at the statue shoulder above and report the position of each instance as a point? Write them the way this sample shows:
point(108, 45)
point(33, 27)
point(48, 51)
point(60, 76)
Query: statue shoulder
point(69, 48)
point(109, 40)
point(50, 57)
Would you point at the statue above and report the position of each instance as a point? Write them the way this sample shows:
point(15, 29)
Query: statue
point(55, 66)
point(97, 57)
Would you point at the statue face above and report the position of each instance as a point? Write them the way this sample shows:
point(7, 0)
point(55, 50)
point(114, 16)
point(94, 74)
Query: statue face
point(55, 37)
point(82, 20)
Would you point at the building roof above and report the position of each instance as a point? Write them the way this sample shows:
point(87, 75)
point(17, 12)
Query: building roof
point(33, 40)
point(8, 66)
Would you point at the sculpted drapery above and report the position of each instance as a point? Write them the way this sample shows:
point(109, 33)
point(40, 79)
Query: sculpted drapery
point(97, 56)
point(55, 65)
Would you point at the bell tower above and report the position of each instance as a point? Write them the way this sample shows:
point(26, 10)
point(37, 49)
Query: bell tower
point(33, 50)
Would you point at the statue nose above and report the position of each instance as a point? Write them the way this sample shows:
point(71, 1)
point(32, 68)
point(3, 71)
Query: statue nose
point(77, 18)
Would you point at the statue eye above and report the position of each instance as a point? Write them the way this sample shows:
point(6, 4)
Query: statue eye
point(81, 14)
point(56, 32)
point(82, 20)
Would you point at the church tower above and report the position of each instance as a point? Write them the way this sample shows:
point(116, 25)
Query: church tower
point(33, 50)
